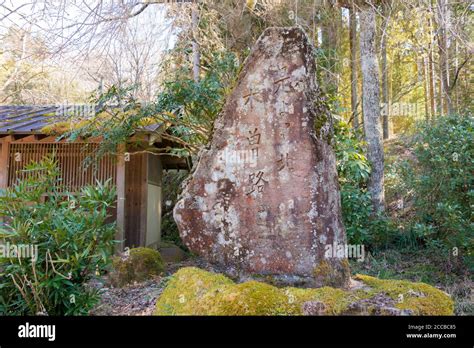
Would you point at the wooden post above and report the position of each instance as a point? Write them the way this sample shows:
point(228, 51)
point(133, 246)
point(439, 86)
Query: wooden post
point(144, 200)
point(120, 198)
point(4, 161)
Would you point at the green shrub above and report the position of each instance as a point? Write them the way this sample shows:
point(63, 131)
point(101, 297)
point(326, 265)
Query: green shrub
point(171, 188)
point(353, 168)
point(137, 264)
point(69, 233)
point(191, 107)
point(442, 181)
point(403, 124)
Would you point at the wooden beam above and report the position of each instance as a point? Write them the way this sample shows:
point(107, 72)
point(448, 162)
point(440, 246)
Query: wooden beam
point(20, 137)
point(173, 162)
point(4, 160)
point(120, 235)
point(139, 137)
point(41, 136)
point(48, 139)
point(7, 138)
point(28, 139)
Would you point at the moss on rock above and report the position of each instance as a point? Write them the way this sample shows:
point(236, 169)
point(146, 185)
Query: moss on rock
point(335, 300)
point(192, 291)
point(137, 265)
point(332, 274)
point(185, 291)
point(249, 298)
point(421, 298)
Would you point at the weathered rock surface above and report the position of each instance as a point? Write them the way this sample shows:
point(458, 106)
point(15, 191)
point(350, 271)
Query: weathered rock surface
point(264, 198)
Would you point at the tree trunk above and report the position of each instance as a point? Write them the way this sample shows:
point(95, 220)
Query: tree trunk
point(442, 21)
point(456, 67)
point(385, 97)
point(195, 44)
point(424, 63)
point(431, 65)
point(431, 77)
point(371, 105)
point(330, 32)
point(353, 45)
point(440, 92)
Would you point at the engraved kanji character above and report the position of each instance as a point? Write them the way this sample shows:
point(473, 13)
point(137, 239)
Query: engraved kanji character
point(254, 138)
point(257, 181)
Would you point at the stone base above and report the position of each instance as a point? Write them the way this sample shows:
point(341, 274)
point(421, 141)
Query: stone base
point(327, 273)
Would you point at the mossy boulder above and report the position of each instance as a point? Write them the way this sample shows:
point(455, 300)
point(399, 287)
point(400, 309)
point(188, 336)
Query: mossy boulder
point(192, 291)
point(137, 265)
point(420, 298)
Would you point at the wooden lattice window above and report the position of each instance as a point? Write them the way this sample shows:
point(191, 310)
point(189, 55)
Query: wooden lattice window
point(71, 157)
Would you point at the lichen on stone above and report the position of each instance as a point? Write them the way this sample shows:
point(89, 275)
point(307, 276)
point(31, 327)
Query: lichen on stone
point(332, 273)
point(192, 291)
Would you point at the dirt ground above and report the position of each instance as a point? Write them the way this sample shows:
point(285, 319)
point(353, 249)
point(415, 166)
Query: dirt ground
point(138, 298)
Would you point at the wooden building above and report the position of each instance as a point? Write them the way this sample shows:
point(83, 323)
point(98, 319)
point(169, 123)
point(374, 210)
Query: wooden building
point(136, 174)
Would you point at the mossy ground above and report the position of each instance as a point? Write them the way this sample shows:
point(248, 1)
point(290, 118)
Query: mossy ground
point(193, 291)
point(422, 265)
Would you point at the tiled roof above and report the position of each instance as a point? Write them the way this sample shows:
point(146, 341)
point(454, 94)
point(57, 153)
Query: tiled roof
point(32, 118)
point(26, 119)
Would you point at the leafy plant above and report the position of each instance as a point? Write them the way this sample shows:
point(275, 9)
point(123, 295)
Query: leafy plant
point(353, 168)
point(183, 111)
point(171, 188)
point(191, 107)
point(70, 238)
point(442, 179)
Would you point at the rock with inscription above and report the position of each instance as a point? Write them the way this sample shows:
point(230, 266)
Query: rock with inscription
point(264, 198)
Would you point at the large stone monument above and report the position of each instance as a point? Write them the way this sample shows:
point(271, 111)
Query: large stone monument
point(264, 198)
